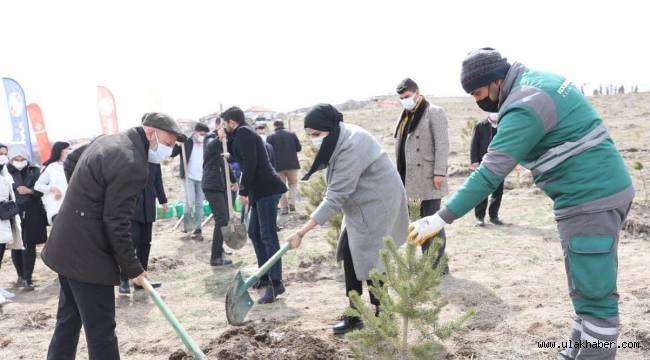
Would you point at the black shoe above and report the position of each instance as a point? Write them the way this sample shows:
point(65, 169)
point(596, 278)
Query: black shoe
point(480, 222)
point(154, 284)
point(349, 323)
point(220, 261)
point(28, 285)
point(496, 221)
point(19, 282)
point(261, 284)
point(272, 292)
point(124, 287)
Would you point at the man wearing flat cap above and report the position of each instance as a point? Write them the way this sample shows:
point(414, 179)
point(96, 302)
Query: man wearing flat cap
point(90, 241)
point(422, 150)
point(549, 127)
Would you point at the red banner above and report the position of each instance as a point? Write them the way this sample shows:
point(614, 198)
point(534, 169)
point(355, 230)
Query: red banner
point(107, 110)
point(40, 133)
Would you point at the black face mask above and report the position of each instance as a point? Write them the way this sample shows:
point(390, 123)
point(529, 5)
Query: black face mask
point(487, 104)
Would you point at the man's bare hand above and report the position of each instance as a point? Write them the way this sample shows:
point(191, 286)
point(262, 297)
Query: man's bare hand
point(474, 166)
point(139, 280)
point(438, 181)
point(23, 190)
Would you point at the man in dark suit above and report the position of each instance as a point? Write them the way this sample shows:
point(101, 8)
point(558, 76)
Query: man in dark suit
point(143, 219)
point(90, 241)
point(482, 135)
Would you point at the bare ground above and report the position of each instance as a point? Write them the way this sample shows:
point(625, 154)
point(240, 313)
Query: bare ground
point(513, 276)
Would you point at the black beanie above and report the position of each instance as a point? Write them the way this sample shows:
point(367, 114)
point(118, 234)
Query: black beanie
point(323, 117)
point(481, 67)
point(201, 127)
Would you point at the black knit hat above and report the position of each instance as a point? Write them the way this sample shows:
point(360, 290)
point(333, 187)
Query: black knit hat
point(481, 67)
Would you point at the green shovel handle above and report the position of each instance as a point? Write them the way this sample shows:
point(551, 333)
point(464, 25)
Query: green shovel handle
point(185, 337)
point(267, 265)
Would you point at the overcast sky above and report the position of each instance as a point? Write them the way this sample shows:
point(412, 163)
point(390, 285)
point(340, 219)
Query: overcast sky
point(185, 58)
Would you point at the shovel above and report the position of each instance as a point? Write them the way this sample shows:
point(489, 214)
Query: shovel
point(235, 235)
point(238, 301)
point(196, 352)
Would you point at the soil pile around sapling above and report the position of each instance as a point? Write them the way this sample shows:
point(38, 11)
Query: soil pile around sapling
point(268, 340)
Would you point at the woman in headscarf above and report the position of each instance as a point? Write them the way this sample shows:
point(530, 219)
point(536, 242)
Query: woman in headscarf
point(364, 184)
point(52, 182)
point(32, 214)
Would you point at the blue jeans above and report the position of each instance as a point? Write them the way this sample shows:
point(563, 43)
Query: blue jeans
point(193, 209)
point(263, 231)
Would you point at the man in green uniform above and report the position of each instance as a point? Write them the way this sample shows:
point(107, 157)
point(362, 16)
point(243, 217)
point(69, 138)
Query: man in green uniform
point(549, 127)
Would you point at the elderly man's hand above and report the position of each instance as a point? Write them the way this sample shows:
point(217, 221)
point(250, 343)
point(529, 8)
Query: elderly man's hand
point(424, 229)
point(438, 180)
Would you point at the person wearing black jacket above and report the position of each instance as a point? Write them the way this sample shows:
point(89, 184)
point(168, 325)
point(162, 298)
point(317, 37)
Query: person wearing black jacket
point(32, 213)
point(482, 135)
point(261, 131)
point(90, 241)
point(260, 187)
point(143, 219)
point(286, 146)
point(214, 188)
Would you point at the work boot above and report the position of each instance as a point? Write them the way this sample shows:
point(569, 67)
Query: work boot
point(349, 323)
point(28, 285)
point(261, 283)
point(496, 221)
point(124, 287)
point(272, 291)
point(220, 261)
point(197, 235)
point(480, 222)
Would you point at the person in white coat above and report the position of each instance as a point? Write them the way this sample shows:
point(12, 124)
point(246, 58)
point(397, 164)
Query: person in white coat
point(52, 182)
point(10, 231)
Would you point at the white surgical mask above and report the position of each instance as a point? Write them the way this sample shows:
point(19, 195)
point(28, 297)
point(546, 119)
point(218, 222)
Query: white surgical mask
point(317, 142)
point(4, 159)
point(200, 138)
point(160, 153)
point(19, 164)
point(264, 137)
point(408, 103)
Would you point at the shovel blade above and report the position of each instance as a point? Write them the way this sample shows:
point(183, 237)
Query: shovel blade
point(238, 301)
point(235, 236)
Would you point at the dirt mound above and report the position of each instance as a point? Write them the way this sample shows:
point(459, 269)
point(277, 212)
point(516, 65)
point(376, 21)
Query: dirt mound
point(36, 320)
point(164, 263)
point(312, 270)
point(638, 220)
point(268, 340)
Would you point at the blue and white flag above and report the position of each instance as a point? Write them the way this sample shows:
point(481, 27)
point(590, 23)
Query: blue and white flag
point(18, 113)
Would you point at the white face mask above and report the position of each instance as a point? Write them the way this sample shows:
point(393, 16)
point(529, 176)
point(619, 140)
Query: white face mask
point(4, 159)
point(160, 153)
point(19, 164)
point(408, 103)
point(264, 137)
point(317, 142)
point(200, 138)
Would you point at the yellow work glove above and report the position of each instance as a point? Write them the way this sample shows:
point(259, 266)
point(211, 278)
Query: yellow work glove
point(424, 229)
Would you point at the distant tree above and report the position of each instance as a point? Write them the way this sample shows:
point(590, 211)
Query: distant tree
point(608, 90)
point(621, 89)
point(596, 92)
point(600, 90)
